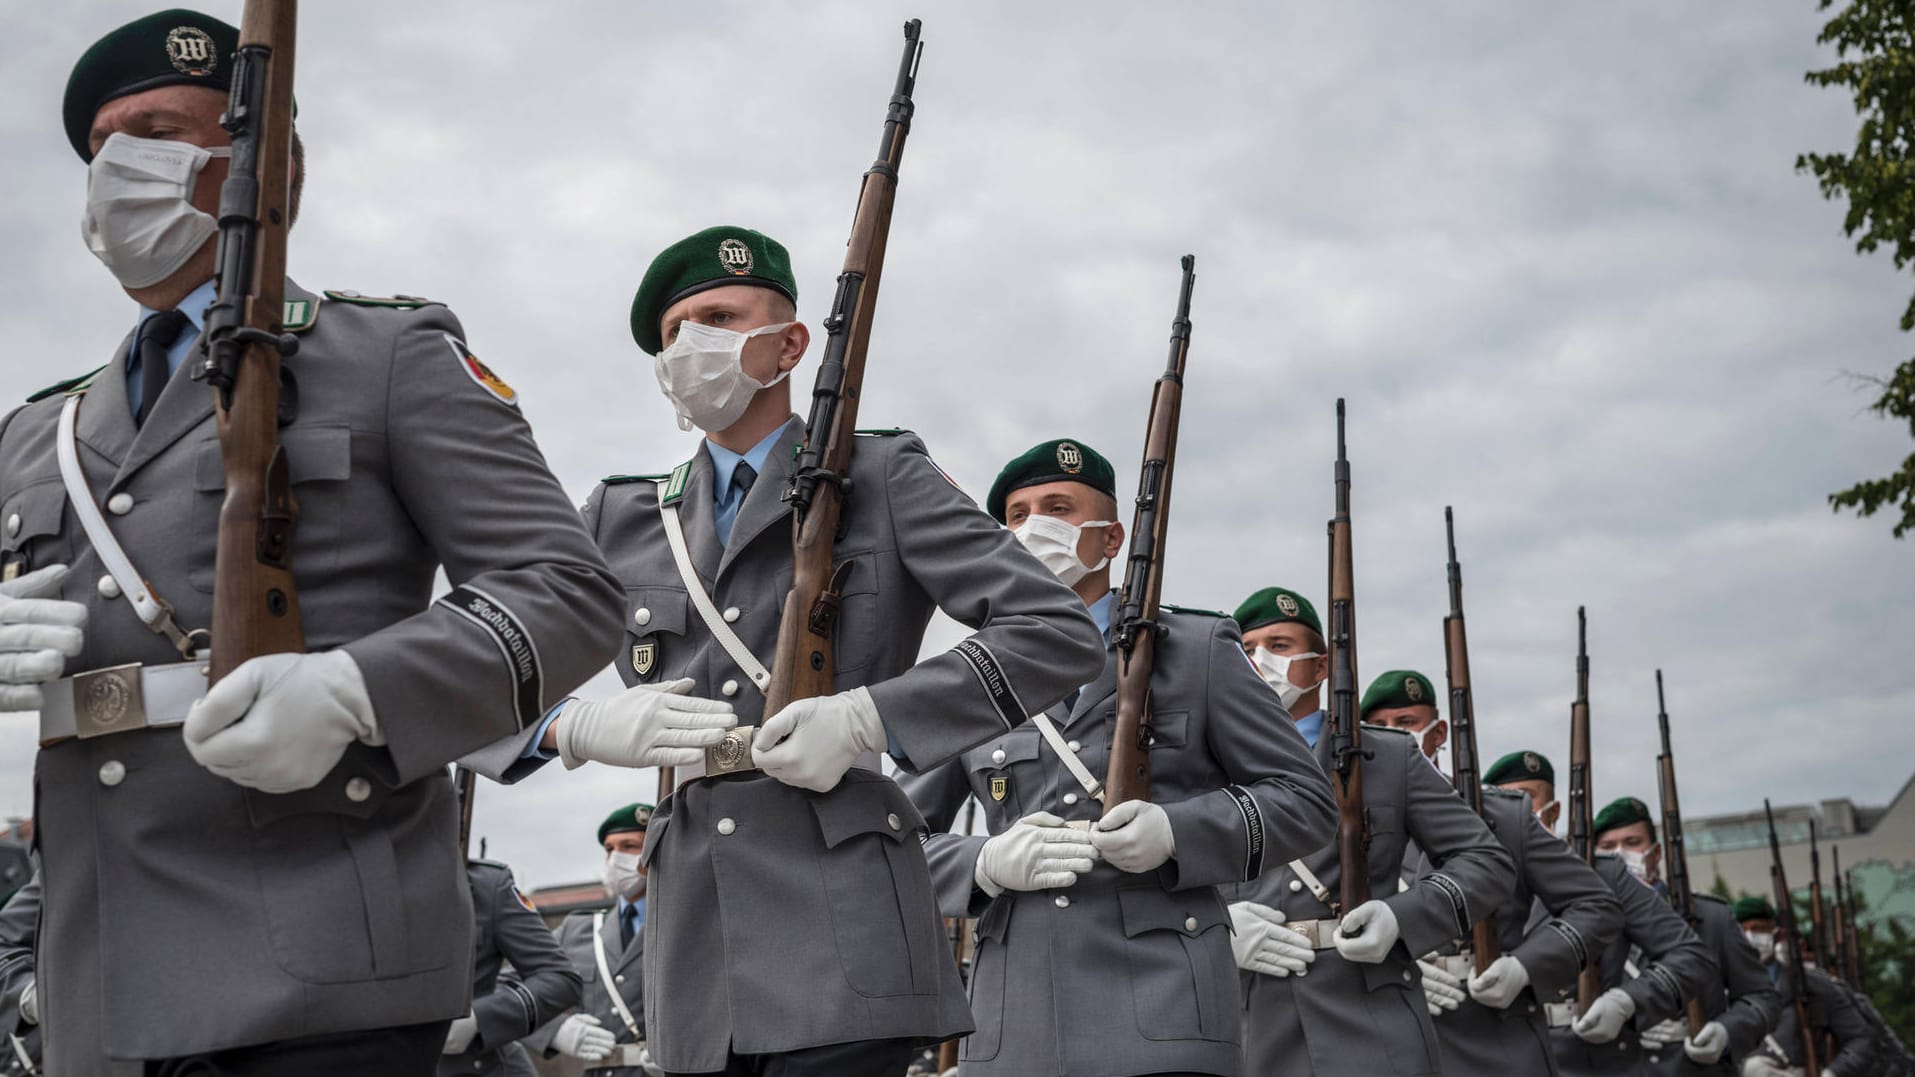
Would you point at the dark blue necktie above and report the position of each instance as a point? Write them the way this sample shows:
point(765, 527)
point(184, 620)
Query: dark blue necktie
point(156, 339)
point(627, 925)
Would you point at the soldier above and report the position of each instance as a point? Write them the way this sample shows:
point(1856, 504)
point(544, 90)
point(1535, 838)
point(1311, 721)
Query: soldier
point(606, 1030)
point(1110, 916)
point(296, 819)
point(1647, 971)
point(19, 1004)
point(1360, 1011)
point(1741, 1005)
point(1832, 1013)
point(1491, 1019)
point(794, 858)
point(506, 1009)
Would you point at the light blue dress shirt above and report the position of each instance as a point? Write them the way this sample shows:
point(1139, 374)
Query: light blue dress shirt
point(1311, 726)
point(638, 919)
point(725, 501)
point(194, 307)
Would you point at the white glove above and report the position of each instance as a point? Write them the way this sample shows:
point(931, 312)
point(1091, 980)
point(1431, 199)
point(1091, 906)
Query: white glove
point(1606, 1016)
point(1442, 991)
point(652, 1069)
point(1262, 944)
point(1664, 1033)
point(300, 712)
point(37, 635)
point(460, 1034)
point(812, 742)
point(1705, 1048)
point(1038, 852)
point(1134, 836)
point(648, 725)
point(1367, 933)
point(1764, 1066)
point(30, 1003)
point(1498, 985)
point(582, 1037)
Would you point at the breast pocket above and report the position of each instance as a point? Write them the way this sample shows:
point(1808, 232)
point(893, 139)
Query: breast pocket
point(655, 621)
point(319, 463)
point(30, 529)
point(1006, 777)
point(857, 637)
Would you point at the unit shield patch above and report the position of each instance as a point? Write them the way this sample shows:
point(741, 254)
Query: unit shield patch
point(644, 657)
point(481, 374)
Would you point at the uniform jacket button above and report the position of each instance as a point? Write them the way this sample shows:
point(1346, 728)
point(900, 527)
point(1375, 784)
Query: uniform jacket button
point(1190, 923)
point(893, 821)
point(1070, 798)
point(1407, 977)
point(731, 614)
point(13, 525)
point(358, 789)
point(1074, 746)
point(1296, 885)
point(112, 772)
point(1063, 901)
point(120, 504)
point(620, 978)
point(997, 756)
point(109, 587)
point(642, 617)
point(726, 826)
point(729, 688)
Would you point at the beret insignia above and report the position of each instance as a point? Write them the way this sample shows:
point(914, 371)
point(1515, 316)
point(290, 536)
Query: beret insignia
point(1414, 689)
point(1532, 763)
point(1287, 605)
point(735, 256)
point(191, 51)
point(1070, 459)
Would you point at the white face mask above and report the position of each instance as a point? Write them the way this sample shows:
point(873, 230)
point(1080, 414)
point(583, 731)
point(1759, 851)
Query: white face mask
point(1764, 943)
point(702, 373)
point(1637, 861)
point(1054, 542)
point(1275, 670)
point(140, 219)
point(622, 877)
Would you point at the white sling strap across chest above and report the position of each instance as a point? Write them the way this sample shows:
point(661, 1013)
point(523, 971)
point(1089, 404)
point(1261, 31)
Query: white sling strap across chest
point(1076, 766)
point(707, 610)
point(605, 976)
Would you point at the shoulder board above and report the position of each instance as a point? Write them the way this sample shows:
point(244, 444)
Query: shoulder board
point(891, 433)
point(1717, 898)
point(1506, 794)
point(1609, 856)
point(1392, 730)
point(70, 385)
point(626, 480)
point(1191, 610)
point(397, 302)
point(481, 862)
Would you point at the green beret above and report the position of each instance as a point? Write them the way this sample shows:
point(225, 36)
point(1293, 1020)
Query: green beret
point(1275, 605)
point(1060, 460)
point(1626, 811)
point(165, 49)
point(1753, 908)
point(628, 818)
point(1520, 767)
point(1398, 688)
point(709, 259)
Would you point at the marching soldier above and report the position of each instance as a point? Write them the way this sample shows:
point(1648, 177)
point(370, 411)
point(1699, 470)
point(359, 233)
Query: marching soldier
point(1741, 1005)
point(607, 1031)
point(1647, 971)
point(1089, 929)
point(19, 1002)
point(507, 1008)
point(1833, 1015)
point(794, 858)
point(1491, 1019)
point(294, 820)
point(1360, 1010)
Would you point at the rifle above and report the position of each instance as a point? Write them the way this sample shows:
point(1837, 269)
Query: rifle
point(1675, 855)
point(1818, 920)
point(255, 602)
point(1466, 769)
point(1128, 777)
point(1346, 736)
point(1582, 829)
point(468, 784)
point(960, 944)
point(1785, 922)
point(805, 664)
point(1855, 929)
point(1839, 929)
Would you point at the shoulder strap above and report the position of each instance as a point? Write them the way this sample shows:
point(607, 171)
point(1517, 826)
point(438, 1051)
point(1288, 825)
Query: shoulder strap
point(605, 976)
point(1069, 758)
point(707, 610)
point(1310, 880)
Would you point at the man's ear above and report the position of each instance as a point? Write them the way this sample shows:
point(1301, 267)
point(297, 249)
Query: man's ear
point(791, 346)
point(1114, 541)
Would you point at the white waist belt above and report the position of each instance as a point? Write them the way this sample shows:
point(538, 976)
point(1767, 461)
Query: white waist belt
point(1460, 965)
point(118, 699)
point(1321, 933)
point(1560, 1014)
point(622, 1056)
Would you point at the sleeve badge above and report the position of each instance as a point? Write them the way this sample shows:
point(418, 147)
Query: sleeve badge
point(481, 374)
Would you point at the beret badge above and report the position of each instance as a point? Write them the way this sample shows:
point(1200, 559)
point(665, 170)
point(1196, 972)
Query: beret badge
point(1070, 458)
point(735, 256)
point(1287, 605)
point(191, 51)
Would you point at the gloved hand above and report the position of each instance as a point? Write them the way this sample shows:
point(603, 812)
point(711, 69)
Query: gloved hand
point(1038, 852)
point(1498, 985)
point(1262, 944)
point(460, 1035)
point(300, 712)
point(1664, 1033)
point(1442, 991)
point(1705, 1048)
point(1606, 1016)
point(1764, 1066)
point(648, 725)
point(812, 742)
point(652, 1069)
point(582, 1037)
point(37, 635)
point(1134, 836)
point(30, 1003)
point(1367, 933)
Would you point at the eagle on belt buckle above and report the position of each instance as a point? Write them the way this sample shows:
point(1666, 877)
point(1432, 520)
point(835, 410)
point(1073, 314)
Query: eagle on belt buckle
point(731, 755)
point(108, 701)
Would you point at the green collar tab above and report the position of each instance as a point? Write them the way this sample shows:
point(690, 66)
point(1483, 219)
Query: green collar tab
point(299, 315)
point(675, 487)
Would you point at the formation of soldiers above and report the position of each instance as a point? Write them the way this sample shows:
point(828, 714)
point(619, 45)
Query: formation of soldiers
point(782, 909)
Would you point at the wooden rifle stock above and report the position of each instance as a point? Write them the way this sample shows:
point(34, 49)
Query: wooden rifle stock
point(1128, 777)
point(805, 663)
point(1582, 834)
point(255, 601)
point(1466, 773)
point(1786, 924)
point(1347, 755)
point(1675, 854)
point(467, 784)
point(960, 951)
point(1818, 917)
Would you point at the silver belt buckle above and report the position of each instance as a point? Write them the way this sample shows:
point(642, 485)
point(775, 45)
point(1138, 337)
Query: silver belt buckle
point(731, 755)
point(1461, 966)
point(1321, 933)
point(623, 1055)
point(1560, 1014)
point(107, 701)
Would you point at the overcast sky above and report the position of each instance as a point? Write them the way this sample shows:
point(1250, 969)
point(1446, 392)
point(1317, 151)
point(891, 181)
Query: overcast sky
point(1558, 260)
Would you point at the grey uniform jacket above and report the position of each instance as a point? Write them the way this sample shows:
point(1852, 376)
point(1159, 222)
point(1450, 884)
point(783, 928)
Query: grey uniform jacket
point(1346, 1019)
point(751, 878)
point(19, 922)
point(1583, 918)
point(343, 906)
point(1832, 1011)
point(1119, 973)
point(1671, 962)
point(1742, 997)
point(542, 983)
point(628, 979)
